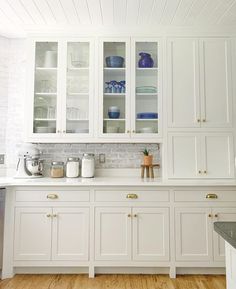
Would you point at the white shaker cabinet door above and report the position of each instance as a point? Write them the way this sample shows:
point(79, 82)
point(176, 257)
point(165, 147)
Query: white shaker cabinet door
point(184, 155)
point(221, 215)
point(70, 235)
point(113, 234)
point(150, 234)
point(218, 155)
point(183, 83)
point(193, 234)
point(32, 239)
point(216, 83)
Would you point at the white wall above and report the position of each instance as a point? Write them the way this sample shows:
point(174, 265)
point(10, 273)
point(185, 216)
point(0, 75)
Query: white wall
point(13, 80)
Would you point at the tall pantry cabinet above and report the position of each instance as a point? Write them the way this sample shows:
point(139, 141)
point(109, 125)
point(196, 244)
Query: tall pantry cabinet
point(200, 103)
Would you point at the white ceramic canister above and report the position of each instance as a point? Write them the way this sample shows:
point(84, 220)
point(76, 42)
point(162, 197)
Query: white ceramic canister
point(88, 166)
point(72, 168)
point(50, 59)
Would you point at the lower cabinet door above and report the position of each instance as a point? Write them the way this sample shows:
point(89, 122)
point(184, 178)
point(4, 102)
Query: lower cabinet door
point(193, 228)
point(221, 215)
point(112, 233)
point(150, 234)
point(70, 235)
point(32, 238)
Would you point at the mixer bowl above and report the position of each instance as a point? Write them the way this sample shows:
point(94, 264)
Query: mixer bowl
point(34, 166)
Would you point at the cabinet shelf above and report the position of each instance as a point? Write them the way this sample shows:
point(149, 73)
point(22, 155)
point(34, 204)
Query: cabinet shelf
point(114, 94)
point(45, 119)
point(114, 69)
point(147, 69)
point(146, 94)
point(114, 119)
point(77, 68)
point(46, 93)
point(46, 68)
point(77, 93)
point(147, 119)
point(77, 119)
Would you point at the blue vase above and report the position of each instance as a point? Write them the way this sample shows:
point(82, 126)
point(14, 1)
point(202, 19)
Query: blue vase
point(145, 60)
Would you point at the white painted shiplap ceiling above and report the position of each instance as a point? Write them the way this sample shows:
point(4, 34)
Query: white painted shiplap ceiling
point(22, 16)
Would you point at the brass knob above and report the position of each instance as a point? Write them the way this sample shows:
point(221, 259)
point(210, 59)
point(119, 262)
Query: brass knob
point(58, 131)
point(64, 131)
point(133, 131)
point(48, 215)
point(129, 215)
point(132, 196)
point(198, 120)
point(54, 215)
point(210, 215)
point(199, 172)
point(205, 172)
point(52, 196)
point(211, 196)
point(216, 215)
point(128, 131)
point(204, 120)
point(135, 215)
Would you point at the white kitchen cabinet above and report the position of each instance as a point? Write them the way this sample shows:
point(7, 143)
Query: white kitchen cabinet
point(51, 234)
point(193, 234)
point(70, 234)
point(150, 234)
point(139, 94)
point(112, 233)
point(221, 215)
point(183, 83)
point(199, 83)
point(60, 90)
point(140, 234)
point(201, 155)
point(32, 240)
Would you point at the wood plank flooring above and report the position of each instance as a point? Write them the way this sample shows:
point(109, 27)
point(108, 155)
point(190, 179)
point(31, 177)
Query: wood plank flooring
point(113, 282)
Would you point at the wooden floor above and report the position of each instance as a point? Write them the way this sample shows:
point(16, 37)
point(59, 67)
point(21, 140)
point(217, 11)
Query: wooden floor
point(113, 282)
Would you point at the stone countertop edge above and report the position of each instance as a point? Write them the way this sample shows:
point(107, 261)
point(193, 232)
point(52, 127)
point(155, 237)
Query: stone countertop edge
point(227, 230)
point(113, 181)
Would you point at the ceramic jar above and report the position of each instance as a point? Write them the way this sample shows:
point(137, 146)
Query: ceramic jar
point(145, 61)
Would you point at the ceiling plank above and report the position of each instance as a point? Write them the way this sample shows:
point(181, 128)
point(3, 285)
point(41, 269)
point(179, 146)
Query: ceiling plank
point(219, 11)
point(19, 9)
point(206, 12)
point(157, 11)
point(32, 10)
point(120, 18)
point(107, 12)
point(70, 11)
point(145, 10)
point(181, 12)
point(10, 13)
point(194, 11)
point(95, 12)
point(169, 11)
point(46, 11)
point(132, 12)
point(57, 10)
point(83, 12)
point(229, 18)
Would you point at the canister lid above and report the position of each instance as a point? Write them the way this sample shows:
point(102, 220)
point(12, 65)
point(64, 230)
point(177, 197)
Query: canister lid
point(72, 159)
point(88, 155)
point(57, 163)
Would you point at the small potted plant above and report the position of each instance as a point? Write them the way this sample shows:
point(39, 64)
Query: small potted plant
point(147, 158)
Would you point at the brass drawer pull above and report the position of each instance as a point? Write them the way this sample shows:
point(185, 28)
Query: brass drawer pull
point(135, 215)
point(132, 196)
point(48, 215)
point(211, 196)
point(52, 196)
point(129, 215)
point(210, 215)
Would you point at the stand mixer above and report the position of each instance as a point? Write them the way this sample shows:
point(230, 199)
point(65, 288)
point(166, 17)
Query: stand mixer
point(29, 163)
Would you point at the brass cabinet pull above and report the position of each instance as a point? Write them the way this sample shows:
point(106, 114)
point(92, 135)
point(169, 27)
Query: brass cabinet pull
point(211, 196)
point(64, 131)
point(58, 131)
point(135, 215)
point(210, 215)
point(199, 172)
point(48, 215)
point(132, 196)
point(205, 172)
point(216, 215)
point(133, 131)
point(128, 131)
point(204, 120)
point(129, 215)
point(198, 120)
point(52, 196)
point(54, 215)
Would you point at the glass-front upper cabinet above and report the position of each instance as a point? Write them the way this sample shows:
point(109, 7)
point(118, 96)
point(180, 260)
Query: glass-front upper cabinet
point(114, 87)
point(78, 93)
point(146, 88)
point(45, 102)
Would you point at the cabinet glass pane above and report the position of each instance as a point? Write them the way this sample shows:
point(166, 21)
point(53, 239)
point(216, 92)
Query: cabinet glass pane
point(77, 102)
point(45, 87)
point(114, 87)
point(146, 97)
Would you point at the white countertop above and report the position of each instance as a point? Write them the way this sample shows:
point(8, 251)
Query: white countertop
point(111, 181)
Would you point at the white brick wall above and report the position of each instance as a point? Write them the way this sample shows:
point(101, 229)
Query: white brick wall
point(14, 80)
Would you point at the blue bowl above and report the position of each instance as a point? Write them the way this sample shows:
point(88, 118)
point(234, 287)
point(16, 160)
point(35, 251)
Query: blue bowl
point(113, 114)
point(114, 61)
point(147, 115)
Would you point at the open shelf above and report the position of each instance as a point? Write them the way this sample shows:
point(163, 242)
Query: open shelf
point(46, 68)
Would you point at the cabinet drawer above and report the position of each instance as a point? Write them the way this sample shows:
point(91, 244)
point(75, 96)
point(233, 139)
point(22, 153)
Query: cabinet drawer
point(52, 196)
point(134, 196)
point(205, 196)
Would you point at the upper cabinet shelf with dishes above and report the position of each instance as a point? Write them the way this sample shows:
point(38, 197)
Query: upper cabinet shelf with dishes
point(65, 105)
point(129, 106)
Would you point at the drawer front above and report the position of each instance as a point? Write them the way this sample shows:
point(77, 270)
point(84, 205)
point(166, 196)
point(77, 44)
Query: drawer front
point(134, 196)
point(52, 196)
point(205, 196)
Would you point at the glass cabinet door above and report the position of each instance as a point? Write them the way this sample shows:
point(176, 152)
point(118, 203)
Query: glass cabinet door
point(114, 87)
point(78, 88)
point(145, 107)
point(45, 88)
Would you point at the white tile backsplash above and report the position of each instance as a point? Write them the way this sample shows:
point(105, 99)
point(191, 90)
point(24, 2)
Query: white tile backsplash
point(12, 94)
